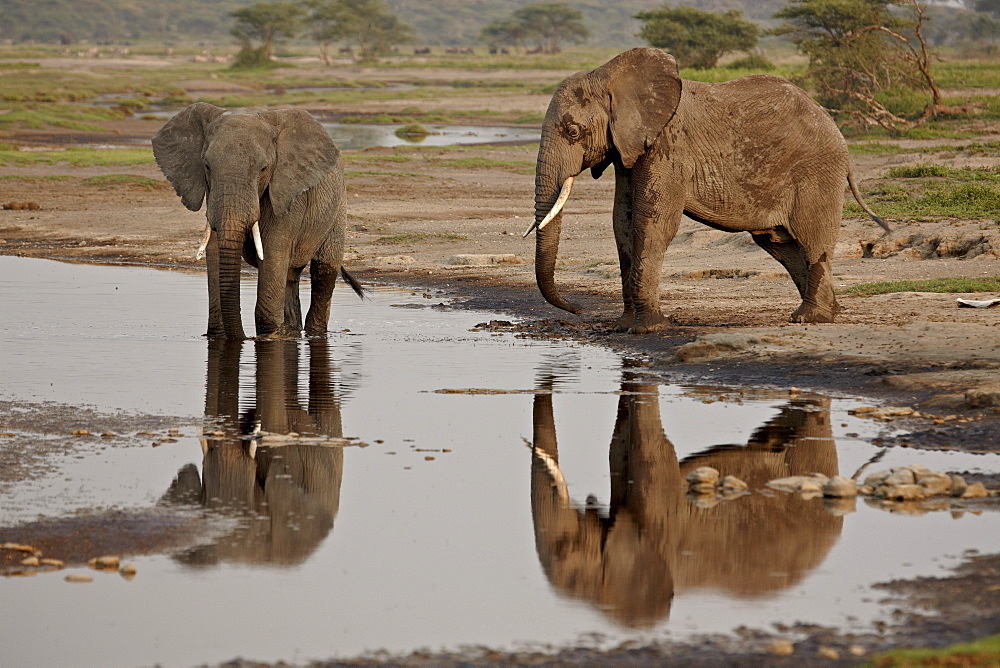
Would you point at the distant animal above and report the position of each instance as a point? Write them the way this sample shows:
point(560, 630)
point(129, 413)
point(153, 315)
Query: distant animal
point(756, 154)
point(273, 183)
point(422, 51)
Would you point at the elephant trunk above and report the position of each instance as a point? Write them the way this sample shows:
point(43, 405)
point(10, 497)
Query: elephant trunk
point(231, 240)
point(548, 217)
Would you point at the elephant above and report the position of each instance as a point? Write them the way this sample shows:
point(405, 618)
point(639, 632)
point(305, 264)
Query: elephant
point(273, 183)
point(630, 558)
point(291, 492)
point(755, 154)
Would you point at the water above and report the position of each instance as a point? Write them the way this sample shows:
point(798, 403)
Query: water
point(355, 136)
point(437, 525)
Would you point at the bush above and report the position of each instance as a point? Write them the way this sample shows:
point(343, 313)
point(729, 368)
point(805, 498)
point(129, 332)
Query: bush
point(754, 61)
point(252, 59)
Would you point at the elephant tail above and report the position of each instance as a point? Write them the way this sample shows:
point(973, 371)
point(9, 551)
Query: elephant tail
point(857, 196)
point(355, 284)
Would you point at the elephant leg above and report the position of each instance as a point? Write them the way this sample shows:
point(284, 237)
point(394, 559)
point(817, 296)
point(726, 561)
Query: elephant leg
point(293, 306)
point(215, 328)
point(653, 226)
point(324, 279)
point(272, 285)
point(621, 217)
point(812, 279)
point(323, 272)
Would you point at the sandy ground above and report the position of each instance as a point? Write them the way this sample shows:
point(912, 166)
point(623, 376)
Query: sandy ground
point(418, 217)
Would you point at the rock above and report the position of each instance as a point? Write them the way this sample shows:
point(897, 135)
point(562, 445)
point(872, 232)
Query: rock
point(825, 652)
point(862, 410)
point(483, 259)
point(79, 577)
point(983, 396)
point(856, 650)
point(934, 483)
point(958, 485)
point(18, 547)
point(877, 478)
point(900, 476)
point(910, 492)
point(975, 491)
point(106, 562)
point(393, 261)
point(781, 647)
point(732, 484)
point(703, 474)
point(81, 432)
point(703, 488)
point(789, 484)
point(128, 571)
point(55, 563)
point(810, 485)
point(30, 561)
point(840, 487)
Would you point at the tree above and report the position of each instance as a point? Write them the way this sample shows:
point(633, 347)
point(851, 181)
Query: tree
point(508, 31)
point(370, 23)
point(266, 22)
point(548, 23)
point(697, 38)
point(859, 50)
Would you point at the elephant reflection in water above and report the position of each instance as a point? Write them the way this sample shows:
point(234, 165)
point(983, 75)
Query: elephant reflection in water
point(292, 492)
point(653, 541)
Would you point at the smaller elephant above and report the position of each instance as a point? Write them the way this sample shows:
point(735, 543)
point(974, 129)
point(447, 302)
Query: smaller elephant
point(273, 183)
point(755, 154)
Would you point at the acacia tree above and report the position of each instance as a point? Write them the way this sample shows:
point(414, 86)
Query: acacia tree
point(508, 31)
point(697, 38)
point(369, 23)
point(549, 23)
point(860, 49)
point(267, 23)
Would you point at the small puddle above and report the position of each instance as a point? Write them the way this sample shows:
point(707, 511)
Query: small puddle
point(409, 509)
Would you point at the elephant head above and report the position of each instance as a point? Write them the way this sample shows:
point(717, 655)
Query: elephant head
point(609, 115)
point(246, 164)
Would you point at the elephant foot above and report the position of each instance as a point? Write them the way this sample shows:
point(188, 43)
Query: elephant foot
point(624, 323)
point(648, 322)
point(813, 313)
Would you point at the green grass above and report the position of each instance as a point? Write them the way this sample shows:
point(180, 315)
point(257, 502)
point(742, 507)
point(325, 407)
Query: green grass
point(105, 181)
point(52, 177)
point(957, 284)
point(379, 172)
point(414, 237)
point(935, 191)
point(982, 653)
point(78, 157)
point(476, 162)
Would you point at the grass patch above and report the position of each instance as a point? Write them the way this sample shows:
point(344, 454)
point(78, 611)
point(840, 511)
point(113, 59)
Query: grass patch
point(379, 172)
point(982, 653)
point(936, 191)
point(917, 171)
point(52, 177)
point(413, 130)
point(944, 285)
point(475, 162)
point(415, 237)
point(79, 157)
point(106, 181)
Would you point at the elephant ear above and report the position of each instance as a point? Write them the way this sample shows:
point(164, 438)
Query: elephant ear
point(178, 148)
point(645, 89)
point(305, 156)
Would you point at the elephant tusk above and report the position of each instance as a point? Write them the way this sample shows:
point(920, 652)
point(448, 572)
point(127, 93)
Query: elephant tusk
point(255, 230)
point(567, 186)
point(204, 242)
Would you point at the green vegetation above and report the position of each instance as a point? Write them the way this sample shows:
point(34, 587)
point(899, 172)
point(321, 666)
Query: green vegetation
point(545, 24)
point(695, 37)
point(929, 192)
point(78, 157)
point(413, 130)
point(958, 284)
point(414, 237)
point(982, 653)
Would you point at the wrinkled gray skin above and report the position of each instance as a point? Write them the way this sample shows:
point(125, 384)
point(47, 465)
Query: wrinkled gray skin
point(276, 166)
point(756, 154)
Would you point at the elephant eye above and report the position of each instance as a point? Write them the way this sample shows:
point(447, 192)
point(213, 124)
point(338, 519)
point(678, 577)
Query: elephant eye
point(263, 169)
point(573, 131)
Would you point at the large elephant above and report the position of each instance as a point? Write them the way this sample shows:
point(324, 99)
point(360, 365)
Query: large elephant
point(274, 185)
point(756, 154)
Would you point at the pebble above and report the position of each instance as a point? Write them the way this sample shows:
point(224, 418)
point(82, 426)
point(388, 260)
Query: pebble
point(56, 563)
point(79, 577)
point(81, 432)
point(975, 491)
point(827, 653)
point(107, 561)
point(128, 571)
point(781, 647)
point(840, 487)
point(703, 474)
point(906, 492)
point(856, 650)
point(733, 484)
point(30, 561)
point(18, 547)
